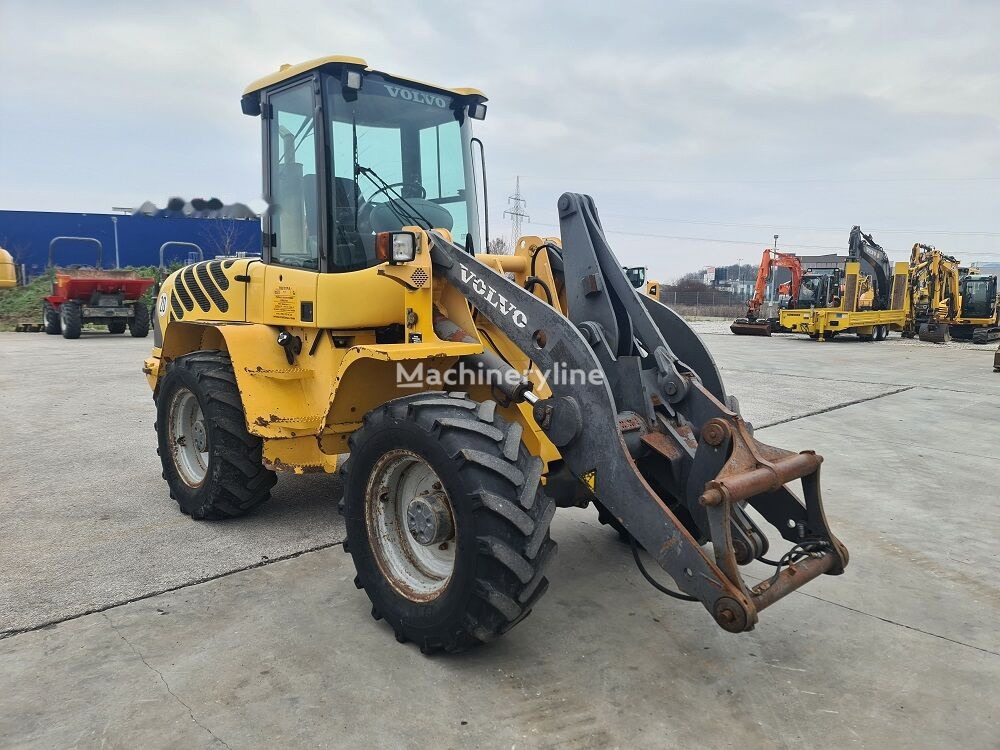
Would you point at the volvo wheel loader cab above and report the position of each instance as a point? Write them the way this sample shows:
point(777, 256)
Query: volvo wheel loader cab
point(474, 393)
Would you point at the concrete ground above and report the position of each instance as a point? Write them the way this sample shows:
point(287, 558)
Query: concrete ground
point(124, 623)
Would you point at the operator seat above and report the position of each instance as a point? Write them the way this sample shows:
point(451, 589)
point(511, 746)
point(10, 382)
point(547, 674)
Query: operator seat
point(348, 251)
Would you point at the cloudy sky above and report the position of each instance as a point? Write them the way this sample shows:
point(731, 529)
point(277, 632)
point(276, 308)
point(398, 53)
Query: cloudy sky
point(701, 128)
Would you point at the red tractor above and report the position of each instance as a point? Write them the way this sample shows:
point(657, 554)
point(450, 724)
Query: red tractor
point(83, 294)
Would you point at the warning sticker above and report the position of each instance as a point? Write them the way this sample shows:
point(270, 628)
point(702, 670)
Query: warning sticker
point(283, 304)
point(590, 479)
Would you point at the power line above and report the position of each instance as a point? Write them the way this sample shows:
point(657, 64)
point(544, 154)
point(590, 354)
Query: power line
point(764, 181)
point(963, 233)
point(516, 212)
point(755, 243)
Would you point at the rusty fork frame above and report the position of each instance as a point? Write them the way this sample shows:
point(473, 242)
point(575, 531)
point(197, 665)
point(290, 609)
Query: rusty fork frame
point(755, 474)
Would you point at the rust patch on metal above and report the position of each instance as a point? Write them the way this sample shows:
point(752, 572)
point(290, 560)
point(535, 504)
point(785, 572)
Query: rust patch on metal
point(662, 445)
point(278, 465)
point(630, 423)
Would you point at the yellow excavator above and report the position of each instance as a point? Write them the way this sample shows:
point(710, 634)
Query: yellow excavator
point(949, 300)
point(474, 393)
point(978, 319)
point(933, 288)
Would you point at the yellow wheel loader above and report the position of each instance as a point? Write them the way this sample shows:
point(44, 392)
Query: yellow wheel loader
point(474, 393)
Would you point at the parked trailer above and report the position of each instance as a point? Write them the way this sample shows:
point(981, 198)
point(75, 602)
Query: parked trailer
point(838, 312)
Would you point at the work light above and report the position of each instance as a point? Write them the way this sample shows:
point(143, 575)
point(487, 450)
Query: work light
point(396, 247)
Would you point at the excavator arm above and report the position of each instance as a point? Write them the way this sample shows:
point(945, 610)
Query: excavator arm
point(769, 260)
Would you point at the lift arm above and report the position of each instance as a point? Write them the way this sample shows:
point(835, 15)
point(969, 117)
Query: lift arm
point(668, 457)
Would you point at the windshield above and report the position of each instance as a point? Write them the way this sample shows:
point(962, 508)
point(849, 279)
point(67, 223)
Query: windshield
point(977, 296)
point(976, 291)
point(810, 289)
point(399, 156)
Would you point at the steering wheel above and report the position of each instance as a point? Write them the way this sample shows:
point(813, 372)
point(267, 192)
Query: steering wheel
point(381, 190)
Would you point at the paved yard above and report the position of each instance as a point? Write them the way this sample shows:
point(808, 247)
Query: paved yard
point(128, 624)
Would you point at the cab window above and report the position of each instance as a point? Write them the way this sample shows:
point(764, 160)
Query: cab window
point(399, 157)
point(293, 199)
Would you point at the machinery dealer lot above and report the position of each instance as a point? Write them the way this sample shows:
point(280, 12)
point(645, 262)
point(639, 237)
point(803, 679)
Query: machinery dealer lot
point(885, 653)
point(638, 390)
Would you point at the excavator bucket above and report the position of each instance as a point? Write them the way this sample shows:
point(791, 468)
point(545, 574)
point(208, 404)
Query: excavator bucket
point(655, 437)
point(744, 327)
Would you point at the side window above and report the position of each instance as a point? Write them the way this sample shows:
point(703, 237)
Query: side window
point(443, 172)
point(294, 186)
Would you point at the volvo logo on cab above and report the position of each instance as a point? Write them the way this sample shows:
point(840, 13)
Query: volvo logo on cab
point(412, 95)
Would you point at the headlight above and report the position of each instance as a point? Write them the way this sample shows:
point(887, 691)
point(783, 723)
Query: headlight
point(396, 247)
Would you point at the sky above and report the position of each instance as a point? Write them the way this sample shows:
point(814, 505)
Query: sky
point(700, 128)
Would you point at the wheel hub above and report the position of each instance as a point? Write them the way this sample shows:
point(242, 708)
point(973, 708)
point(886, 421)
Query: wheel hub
point(410, 527)
point(200, 436)
point(188, 437)
point(428, 519)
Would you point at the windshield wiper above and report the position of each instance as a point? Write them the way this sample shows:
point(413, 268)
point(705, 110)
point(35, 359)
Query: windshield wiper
point(412, 215)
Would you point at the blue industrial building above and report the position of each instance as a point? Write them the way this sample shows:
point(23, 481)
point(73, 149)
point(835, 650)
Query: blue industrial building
point(126, 240)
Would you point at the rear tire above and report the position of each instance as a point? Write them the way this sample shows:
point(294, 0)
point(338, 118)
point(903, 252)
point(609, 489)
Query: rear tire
point(50, 319)
point(456, 591)
point(138, 325)
point(117, 326)
point(71, 319)
point(212, 464)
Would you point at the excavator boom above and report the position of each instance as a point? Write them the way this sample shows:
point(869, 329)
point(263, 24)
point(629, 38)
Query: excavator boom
point(770, 259)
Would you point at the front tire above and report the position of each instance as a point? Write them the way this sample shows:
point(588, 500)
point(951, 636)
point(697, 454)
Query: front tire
point(212, 464)
point(50, 319)
point(138, 325)
point(71, 319)
point(477, 568)
point(117, 326)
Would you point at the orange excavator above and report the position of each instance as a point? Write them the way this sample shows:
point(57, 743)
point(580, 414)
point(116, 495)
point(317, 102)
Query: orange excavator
point(753, 324)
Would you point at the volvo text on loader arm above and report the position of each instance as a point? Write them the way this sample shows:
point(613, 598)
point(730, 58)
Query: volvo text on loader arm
point(373, 297)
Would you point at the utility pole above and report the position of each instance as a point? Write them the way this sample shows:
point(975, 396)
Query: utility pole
point(773, 281)
point(516, 205)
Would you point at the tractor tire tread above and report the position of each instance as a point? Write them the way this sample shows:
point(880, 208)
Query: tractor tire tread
point(508, 509)
point(238, 480)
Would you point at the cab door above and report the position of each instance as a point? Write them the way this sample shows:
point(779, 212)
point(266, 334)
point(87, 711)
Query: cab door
point(293, 225)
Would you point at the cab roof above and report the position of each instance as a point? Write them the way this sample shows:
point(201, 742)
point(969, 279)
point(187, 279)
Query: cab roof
point(290, 71)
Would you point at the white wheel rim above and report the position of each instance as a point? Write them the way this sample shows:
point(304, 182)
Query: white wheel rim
point(420, 573)
point(188, 437)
